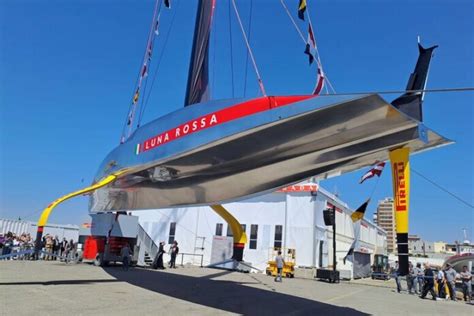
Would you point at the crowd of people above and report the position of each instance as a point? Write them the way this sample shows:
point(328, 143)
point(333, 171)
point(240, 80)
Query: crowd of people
point(439, 283)
point(52, 247)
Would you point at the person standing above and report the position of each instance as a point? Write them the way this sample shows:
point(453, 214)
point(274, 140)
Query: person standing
point(7, 247)
point(451, 281)
point(49, 247)
point(158, 262)
point(396, 274)
point(70, 251)
point(63, 248)
point(125, 255)
point(56, 246)
point(429, 283)
point(419, 279)
point(441, 281)
point(279, 264)
point(411, 279)
point(174, 250)
point(466, 278)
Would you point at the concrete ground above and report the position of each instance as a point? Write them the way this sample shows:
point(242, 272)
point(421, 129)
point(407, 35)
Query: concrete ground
point(55, 288)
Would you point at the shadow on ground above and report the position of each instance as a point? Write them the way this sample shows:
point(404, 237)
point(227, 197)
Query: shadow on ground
point(226, 295)
point(60, 282)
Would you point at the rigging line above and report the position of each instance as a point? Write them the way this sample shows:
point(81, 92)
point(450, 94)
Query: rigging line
point(247, 56)
point(326, 78)
point(214, 40)
point(231, 51)
point(151, 48)
point(375, 187)
point(150, 37)
point(442, 188)
point(31, 214)
point(160, 58)
point(292, 20)
point(463, 89)
point(317, 50)
point(259, 78)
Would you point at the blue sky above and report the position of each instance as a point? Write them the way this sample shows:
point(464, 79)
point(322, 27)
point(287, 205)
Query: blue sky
point(67, 72)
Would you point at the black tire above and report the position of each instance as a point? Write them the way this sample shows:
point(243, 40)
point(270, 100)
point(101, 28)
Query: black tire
point(99, 260)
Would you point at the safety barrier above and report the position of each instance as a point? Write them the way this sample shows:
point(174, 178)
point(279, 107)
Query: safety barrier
point(31, 253)
point(394, 275)
point(190, 254)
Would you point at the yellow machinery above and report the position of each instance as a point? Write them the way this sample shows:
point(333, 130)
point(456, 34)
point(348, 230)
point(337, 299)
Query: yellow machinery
point(289, 256)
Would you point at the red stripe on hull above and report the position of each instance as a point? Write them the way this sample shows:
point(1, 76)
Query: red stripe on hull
point(219, 117)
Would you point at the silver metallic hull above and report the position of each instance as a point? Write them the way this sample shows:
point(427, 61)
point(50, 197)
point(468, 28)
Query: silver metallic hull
point(326, 140)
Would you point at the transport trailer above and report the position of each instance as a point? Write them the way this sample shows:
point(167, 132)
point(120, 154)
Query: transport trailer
point(103, 239)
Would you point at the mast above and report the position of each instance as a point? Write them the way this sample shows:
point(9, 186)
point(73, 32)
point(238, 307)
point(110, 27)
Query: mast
point(198, 76)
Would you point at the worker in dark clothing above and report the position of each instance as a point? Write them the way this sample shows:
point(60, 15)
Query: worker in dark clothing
point(429, 283)
point(174, 250)
point(158, 262)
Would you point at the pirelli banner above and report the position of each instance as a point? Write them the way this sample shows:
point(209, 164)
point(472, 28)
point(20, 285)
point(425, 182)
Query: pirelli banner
point(399, 159)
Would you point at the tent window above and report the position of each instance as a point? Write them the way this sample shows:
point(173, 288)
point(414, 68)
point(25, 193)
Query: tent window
point(219, 227)
point(244, 227)
point(253, 236)
point(278, 236)
point(229, 231)
point(172, 232)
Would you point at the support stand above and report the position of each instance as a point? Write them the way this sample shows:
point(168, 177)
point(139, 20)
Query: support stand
point(331, 275)
point(235, 263)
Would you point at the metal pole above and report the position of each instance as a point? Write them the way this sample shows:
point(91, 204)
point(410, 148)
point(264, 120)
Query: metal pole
point(334, 263)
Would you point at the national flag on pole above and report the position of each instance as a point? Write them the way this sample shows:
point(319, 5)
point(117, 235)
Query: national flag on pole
point(375, 171)
point(350, 252)
point(311, 39)
point(149, 50)
point(144, 71)
point(319, 82)
point(136, 96)
point(157, 25)
point(356, 217)
point(301, 9)
point(167, 3)
point(307, 51)
point(310, 49)
point(359, 213)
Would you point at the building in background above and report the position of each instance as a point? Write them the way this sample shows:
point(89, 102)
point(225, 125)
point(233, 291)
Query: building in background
point(418, 246)
point(291, 218)
point(19, 227)
point(459, 248)
point(385, 219)
point(439, 247)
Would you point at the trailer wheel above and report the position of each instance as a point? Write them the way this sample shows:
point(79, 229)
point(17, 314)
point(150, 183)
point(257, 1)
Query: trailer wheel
point(99, 260)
